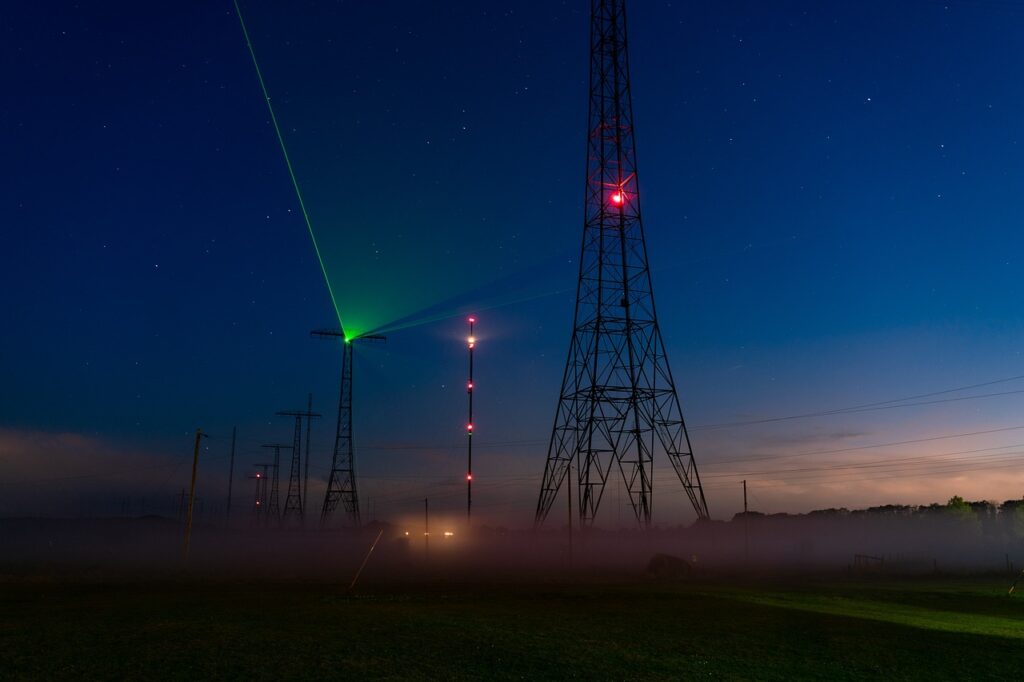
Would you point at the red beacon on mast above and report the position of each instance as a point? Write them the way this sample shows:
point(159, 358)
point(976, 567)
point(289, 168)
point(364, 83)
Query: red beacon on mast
point(618, 197)
point(471, 342)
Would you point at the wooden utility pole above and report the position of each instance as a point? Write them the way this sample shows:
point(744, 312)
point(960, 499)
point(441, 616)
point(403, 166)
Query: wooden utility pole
point(231, 471)
point(426, 526)
point(746, 526)
point(192, 493)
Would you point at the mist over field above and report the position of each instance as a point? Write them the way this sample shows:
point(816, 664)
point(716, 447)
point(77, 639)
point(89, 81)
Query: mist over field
point(955, 537)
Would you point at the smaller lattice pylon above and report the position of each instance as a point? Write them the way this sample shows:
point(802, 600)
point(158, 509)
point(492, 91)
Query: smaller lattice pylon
point(295, 498)
point(273, 512)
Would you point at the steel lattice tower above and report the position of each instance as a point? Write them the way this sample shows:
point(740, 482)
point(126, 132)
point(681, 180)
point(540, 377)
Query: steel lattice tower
point(274, 498)
point(618, 402)
point(294, 501)
point(341, 485)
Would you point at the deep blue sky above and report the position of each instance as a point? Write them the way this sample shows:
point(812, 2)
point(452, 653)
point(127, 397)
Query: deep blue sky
point(831, 194)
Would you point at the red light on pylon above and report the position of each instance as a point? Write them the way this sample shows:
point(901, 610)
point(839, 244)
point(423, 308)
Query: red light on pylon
point(469, 386)
point(469, 427)
point(618, 198)
point(472, 320)
point(469, 477)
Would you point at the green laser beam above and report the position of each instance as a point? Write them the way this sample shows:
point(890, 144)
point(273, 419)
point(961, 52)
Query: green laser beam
point(288, 163)
point(463, 309)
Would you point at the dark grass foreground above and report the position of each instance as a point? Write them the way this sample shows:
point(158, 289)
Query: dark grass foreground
point(967, 629)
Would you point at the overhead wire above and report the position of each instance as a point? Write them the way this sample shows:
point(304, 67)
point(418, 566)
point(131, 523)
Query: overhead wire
point(872, 446)
point(882, 404)
point(868, 464)
point(893, 404)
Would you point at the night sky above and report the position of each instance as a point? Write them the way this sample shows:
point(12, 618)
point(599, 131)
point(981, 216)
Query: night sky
point(832, 204)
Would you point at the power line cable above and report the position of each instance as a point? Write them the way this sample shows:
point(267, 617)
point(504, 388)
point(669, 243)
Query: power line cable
point(855, 448)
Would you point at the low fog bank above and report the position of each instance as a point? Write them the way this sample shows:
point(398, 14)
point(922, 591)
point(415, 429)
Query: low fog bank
point(955, 537)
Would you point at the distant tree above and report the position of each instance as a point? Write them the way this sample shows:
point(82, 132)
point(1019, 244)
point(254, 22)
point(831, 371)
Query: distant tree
point(983, 508)
point(831, 511)
point(1011, 517)
point(956, 502)
point(987, 514)
point(962, 515)
point(891, 510)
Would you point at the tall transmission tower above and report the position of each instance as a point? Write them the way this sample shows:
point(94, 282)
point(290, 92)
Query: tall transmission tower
point(274, 497)
point(341, 485)
point(295, 499)
point(618, 403)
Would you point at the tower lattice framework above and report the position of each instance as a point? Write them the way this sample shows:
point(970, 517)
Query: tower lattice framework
point(273, 510)
point(295, 500)
point(618, 404)
point(341, 485)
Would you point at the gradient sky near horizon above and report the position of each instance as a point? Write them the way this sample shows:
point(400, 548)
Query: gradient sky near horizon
point(832, 201)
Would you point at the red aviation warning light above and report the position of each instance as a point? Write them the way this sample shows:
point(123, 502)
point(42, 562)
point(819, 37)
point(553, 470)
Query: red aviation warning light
point(617, 194)
point(471, 342)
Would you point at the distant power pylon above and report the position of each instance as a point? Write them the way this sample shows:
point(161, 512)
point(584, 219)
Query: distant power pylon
point(294, 501)
point(273, 512)
point(341, 485)
point(618, 402)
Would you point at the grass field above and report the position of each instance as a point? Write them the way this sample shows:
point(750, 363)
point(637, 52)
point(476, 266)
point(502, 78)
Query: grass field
point(926, 629)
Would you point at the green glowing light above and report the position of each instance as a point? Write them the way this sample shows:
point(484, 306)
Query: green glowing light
point(482, 302)
point(392, 256)
point(288, 163)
